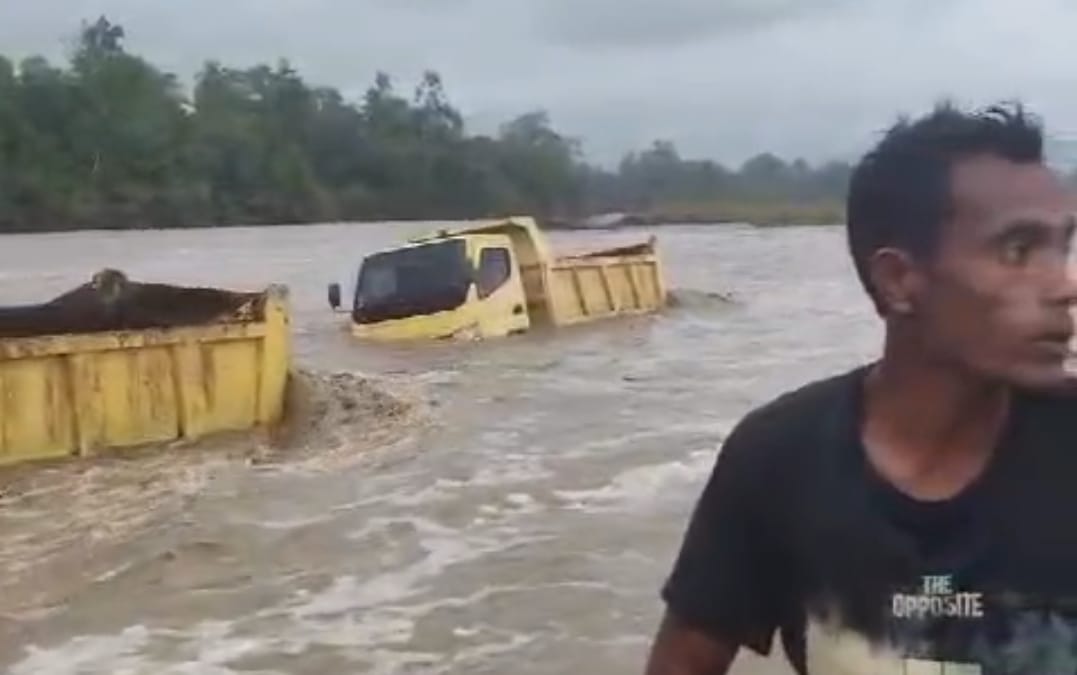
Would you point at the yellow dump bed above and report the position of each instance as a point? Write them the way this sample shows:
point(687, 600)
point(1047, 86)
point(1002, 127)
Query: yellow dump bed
point(116, 363)
point(610, 282)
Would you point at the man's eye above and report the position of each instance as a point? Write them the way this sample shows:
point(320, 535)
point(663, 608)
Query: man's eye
point(1016, 252)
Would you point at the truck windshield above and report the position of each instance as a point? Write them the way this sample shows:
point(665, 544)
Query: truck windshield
point(413, 281)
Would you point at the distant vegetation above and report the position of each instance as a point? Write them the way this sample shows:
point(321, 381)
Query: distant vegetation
point(110, 141)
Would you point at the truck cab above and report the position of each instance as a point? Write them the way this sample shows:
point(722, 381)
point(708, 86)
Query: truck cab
point(466, 286)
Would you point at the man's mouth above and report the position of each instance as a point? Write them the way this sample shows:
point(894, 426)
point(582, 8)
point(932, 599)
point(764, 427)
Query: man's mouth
point(1058, 343)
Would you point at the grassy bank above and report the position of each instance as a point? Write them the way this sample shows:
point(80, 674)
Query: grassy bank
point(763, 213)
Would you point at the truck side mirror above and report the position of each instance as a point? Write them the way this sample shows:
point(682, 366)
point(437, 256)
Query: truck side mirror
point(334, 296)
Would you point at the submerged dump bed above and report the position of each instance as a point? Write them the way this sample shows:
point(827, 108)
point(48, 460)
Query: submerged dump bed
point(115, 363)
point(604, 283)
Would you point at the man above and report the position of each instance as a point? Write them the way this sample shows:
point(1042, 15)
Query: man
point(918, 514)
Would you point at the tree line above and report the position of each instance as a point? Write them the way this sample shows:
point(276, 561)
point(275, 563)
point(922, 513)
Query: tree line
point(108, 140)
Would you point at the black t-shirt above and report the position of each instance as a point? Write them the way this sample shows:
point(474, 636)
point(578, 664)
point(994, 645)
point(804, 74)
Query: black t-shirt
point(795, 534)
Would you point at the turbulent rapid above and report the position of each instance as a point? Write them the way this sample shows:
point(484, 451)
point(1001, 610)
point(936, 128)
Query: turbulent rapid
point(499, 507)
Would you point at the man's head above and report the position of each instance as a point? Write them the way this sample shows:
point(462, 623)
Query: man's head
point(961, 235)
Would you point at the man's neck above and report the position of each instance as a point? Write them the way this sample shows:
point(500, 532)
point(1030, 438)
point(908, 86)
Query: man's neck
point(930, 429)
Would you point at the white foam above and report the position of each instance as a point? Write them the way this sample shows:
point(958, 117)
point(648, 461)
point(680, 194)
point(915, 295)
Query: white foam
point(444, 546)
point(282, 524)
point(375, 628)
point(515, 504)
point(106, 653)
point(440, 489)
point(641, 485)
point(286, 524)
point(382, 611)
point(520, 499)
point(114, 572)
point(393, 662)
point(347, 594)
point(360, 619)
point(438, 377)
point(210, 643)
point(505, 469)
point(215, 646)
point(420, 525)
point(196, 668)
point(484, 651)
point(714, 429)
point(466, 632)
point(510, 468)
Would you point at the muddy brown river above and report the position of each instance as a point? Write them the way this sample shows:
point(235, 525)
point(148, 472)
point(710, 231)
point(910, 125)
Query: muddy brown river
point(500, 507)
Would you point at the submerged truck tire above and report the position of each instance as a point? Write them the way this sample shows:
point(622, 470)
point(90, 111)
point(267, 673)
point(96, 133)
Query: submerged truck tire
point(117, 364)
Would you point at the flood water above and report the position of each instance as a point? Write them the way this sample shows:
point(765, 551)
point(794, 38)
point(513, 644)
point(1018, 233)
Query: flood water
point(521, 520)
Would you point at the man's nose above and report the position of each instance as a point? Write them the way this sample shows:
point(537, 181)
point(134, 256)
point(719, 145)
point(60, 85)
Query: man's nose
point(1066, 288)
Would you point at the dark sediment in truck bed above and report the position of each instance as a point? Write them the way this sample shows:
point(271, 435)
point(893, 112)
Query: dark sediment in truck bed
point(112, 302)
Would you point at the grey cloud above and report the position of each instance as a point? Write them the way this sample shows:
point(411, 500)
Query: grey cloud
point(635, 23)
point(720, 78)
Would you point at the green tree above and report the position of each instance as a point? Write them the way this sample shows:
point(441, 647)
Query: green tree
point(109, 140)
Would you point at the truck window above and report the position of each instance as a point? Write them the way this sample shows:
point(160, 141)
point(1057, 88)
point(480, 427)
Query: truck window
point(412, 281)
point(495, 268)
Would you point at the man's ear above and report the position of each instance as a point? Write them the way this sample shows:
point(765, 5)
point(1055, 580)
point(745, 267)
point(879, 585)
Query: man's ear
point(897, 280)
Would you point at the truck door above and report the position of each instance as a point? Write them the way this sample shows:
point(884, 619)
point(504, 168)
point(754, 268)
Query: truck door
point(500, 293)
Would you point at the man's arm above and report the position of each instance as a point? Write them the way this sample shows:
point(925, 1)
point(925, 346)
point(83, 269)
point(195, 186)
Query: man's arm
point(725, 590)
point(680, 649)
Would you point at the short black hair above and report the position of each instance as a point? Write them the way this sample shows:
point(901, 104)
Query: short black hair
point(899, 193)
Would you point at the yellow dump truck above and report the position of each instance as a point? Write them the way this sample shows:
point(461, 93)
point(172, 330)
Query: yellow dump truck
point(115, 363)
point(496, 278)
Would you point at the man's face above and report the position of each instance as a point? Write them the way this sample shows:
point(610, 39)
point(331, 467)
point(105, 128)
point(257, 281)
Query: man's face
point(998, 295)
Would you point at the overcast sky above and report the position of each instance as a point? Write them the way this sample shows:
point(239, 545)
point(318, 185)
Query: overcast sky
point(721, 78)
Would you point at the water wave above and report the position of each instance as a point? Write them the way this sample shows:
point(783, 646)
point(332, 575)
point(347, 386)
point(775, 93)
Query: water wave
point(695, 299)
point(332, 419)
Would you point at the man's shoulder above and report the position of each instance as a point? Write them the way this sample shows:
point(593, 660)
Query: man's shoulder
point(1060, 404)
point(804, 407)
point(1052, 413)
point(811, 415)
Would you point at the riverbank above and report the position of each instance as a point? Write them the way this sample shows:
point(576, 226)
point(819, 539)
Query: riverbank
point(717, 212)
point(720, 212)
